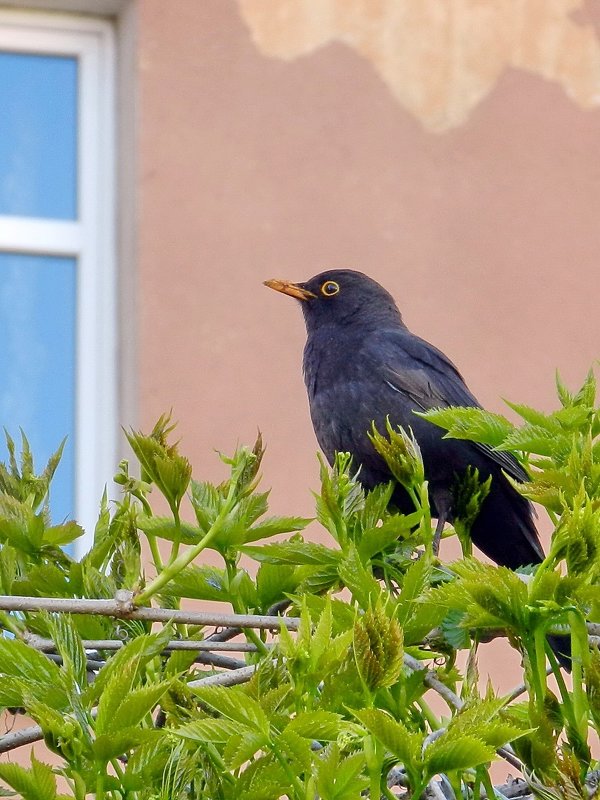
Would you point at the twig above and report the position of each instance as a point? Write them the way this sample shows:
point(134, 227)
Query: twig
point(224, 635)
point(215, 660)
point(122, 608)
point(434, 791)
point(226, 678)
point(10, 741)
point(48, 645)
point(431, 680)
point(90, 663)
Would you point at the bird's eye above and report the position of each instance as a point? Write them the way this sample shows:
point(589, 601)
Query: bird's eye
point(329, 288)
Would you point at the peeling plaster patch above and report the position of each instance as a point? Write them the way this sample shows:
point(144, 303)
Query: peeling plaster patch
point(439, 58)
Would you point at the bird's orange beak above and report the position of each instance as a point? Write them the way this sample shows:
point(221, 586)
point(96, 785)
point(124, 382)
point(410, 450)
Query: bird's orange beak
point(287, 287)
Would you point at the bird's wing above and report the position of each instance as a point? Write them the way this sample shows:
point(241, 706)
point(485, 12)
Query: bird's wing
point(428, 378)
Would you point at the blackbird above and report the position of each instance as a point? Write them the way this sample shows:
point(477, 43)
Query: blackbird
point(362, 365)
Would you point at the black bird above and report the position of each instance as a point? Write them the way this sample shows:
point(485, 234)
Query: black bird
point(361, 365)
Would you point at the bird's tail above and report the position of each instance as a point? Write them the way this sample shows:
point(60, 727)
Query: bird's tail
point(505, 531)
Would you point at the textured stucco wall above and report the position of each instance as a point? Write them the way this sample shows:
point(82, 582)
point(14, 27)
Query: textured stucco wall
point(449, 151)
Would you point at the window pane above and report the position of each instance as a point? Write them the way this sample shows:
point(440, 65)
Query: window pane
point(38, 135)
point(37, 362)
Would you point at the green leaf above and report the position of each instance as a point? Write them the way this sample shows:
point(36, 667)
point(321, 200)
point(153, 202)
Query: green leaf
point(394, 527)
point(318, 725)
point(166, 528)
point(414, 584)
point(199, 582)
point(274, 583)
point(474, 424)
point(60, 535)
point(535, 439)
point(293, 552)
point(378, 649)
point(263, 779)
point(455, 631)
point(37, 783)
point(464, 753)
point(341, 496)
point(241, 747)
point(45, 580)
point(8, 568)
point(533, 416)
point(234, 704)
point(401, 452)
point(69, 647)
point(218, 731)
point(63, 733)
point(207, 501)
point(21, 661)
point(357, 578)
point(295, 749)
point(564, 395)
point(395, 736)
point(321, 638)
point(16, 693)
point(272, 526)
point(340, 779)
point(135, 705)
point(119, 742)
point(128, 661)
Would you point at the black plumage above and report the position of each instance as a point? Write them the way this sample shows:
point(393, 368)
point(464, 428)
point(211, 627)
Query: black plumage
point(362, 364)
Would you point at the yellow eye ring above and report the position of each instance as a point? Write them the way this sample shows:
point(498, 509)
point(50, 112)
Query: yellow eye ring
point(329, 288)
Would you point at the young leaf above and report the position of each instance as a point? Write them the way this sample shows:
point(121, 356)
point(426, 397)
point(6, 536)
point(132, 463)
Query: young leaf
point(218, 731)
point(357, 578)
point(234, 704)
point(378, 649)
point(21, 661)
point(37, 783)
point(241, 747)
point(69, 646)
point(319, 725)
point(134, 706)
point(130, 660)
point(119, 742)
point(292, 552)
point(446, 755)
point(199, 582)
point(474, 424)
point(393, 734)
point(401, 452)
point(340, 779)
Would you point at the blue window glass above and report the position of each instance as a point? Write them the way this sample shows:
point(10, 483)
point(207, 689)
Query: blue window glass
point(38, 135)
point(37, 362)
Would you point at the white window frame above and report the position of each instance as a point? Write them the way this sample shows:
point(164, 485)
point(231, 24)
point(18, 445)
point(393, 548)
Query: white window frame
point(90, 239)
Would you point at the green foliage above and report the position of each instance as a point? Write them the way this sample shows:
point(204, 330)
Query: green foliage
point(335, 705)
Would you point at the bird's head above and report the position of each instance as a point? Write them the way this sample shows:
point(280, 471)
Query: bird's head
point(341, 297)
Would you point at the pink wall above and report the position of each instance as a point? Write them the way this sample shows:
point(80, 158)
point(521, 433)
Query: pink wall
point(483, 218)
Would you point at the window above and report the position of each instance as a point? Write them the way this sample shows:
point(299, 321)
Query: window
point(57, 248)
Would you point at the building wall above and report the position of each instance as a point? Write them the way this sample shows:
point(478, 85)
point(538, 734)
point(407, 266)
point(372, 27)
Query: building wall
point(448, 149)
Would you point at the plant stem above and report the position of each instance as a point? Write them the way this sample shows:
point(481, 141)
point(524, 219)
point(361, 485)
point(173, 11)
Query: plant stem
point(179, 563)
point(100, 782)
point(579, 658)
point(176, 536)
point(155, 552)
point(432, 720)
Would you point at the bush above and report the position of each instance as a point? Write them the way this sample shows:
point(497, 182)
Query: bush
point(330, 699)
